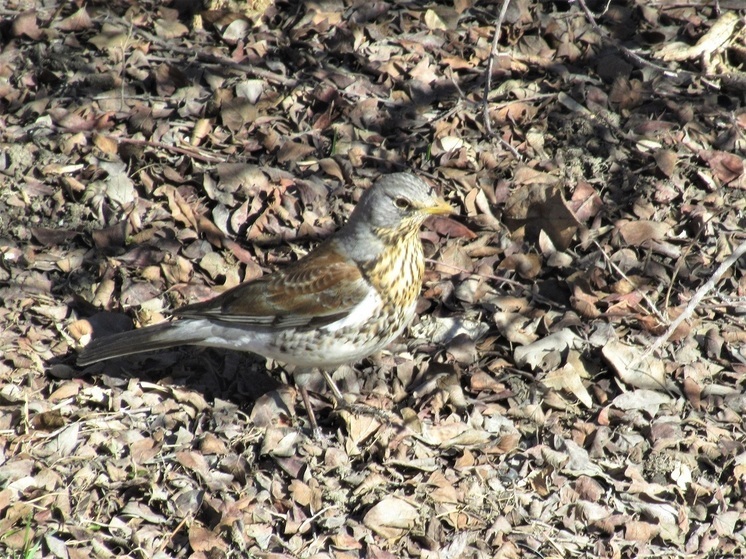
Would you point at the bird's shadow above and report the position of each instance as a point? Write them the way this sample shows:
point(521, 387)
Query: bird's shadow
point(236, 377)
point(242, 379)
point(239, 378)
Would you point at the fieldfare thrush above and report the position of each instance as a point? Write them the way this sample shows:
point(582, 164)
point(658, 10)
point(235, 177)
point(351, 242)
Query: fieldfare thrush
point(343, 301)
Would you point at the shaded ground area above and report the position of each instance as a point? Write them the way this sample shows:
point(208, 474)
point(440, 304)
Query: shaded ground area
point(544, 404)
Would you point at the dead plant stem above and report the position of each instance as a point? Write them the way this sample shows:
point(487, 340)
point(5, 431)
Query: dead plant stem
point(692, 305)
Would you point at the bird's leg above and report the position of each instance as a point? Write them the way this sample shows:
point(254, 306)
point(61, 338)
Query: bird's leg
point(302, 377)
point(340, 401)
point(356, 408)
point(309, 408)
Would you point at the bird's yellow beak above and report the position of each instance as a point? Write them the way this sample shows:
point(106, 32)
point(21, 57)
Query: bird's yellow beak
point(440, 207)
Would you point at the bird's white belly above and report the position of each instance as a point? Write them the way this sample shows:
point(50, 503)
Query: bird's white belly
point(363, 331)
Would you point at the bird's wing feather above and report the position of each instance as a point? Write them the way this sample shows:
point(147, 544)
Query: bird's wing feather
point(316, 290)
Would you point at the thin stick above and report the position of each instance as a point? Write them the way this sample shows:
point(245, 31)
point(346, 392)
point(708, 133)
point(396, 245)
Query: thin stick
point(190, 152)
point(488, 81)
point(618, 270)
point(631, 56)
point(490, 65)
point(701, 292)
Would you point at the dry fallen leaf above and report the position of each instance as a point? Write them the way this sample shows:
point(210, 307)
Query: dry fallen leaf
point(547, 353)
point(649, 374)
point(541, 207)
point(391, 518)
point(569, 377)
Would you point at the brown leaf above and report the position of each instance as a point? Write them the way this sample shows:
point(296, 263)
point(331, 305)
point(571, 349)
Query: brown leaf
point(570, 378)
point(451, 228)
point(332, 168)
point(637, 232)
point(585, 202)
point(516, 327)
point(52, 237)
point(169, 78)
point(202, 539)
point(294, 151)
point(144, 450)
point(391, 517)
point(236, 31)
point(25, 25)
point(111, 37)
point(640, 531)
point(300, 492)
point(170, 29)
point(110, 237)
point(67, 390)
point(78, 21)
point(106, 144)
point(548, 352)
point(726, 166)
point(49, 421)
point(666, 160)
point(528, 266)
point(512, 113)
point(541, 207)
point(237, 113)
point(193, 461)
point(650, 373)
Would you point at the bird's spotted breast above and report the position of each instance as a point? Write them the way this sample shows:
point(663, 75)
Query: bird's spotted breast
point(395, 276)
point(397, 272)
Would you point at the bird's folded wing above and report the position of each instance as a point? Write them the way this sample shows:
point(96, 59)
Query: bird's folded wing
point(316, 290)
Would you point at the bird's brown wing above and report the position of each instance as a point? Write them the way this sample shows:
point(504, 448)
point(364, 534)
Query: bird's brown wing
point(316, 290)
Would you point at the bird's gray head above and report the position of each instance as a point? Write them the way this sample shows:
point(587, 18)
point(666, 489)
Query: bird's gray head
point(397, 204)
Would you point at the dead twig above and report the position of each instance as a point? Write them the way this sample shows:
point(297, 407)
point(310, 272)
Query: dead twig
point(488, 81)
point(193, 153)
point(631, 56)
point(208, 58)
point(651, 305)
point(689, 310)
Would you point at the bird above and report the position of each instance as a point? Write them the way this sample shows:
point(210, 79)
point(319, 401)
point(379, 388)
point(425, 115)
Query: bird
point(343, 301)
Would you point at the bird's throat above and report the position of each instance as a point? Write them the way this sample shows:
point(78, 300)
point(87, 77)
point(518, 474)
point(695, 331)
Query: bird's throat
point(396, 271)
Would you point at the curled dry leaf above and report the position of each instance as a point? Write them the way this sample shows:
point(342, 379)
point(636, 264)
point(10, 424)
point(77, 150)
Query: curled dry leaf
point(569, 378)
point(25, 25)
point(516, 328)
point(203, 540)
point(727, 166)
point(650, 373)
point(547, 353)
point(541, 208)
point(666, 160)
point(170, 29)
point(112, 38)
point(391, 518)
point(528, 266)
point(720, 32)
point(649, 401)
point(637, 232)
point(640, 531)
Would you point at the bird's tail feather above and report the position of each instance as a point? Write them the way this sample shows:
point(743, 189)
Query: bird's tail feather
point(150, 338)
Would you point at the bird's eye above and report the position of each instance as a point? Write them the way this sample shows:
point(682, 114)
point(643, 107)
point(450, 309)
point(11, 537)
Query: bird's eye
point(402, 203)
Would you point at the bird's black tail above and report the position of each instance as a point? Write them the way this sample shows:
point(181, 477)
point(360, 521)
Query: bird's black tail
point(150, 338)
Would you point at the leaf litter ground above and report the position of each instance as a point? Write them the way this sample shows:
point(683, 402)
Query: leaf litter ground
point(153, 154)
